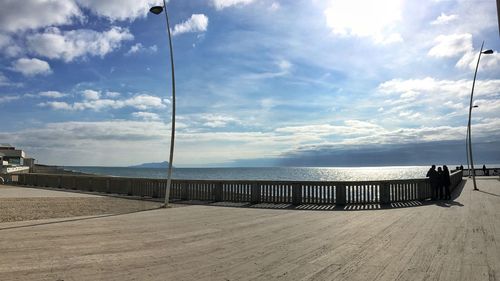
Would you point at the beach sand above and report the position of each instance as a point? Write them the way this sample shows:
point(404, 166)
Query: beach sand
point(20, 204)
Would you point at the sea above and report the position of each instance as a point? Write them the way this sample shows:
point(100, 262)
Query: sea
point(266, 173)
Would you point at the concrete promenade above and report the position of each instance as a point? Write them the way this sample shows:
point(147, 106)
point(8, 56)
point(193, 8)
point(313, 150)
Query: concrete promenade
point(445, 240)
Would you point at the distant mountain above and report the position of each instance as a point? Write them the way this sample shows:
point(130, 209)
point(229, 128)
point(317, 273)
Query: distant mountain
point(163, 164)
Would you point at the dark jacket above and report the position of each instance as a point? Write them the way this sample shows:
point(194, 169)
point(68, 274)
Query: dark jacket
point(433, 177)
point(445, 178)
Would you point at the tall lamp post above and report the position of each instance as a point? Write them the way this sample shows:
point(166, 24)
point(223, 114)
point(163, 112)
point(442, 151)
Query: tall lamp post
point(157, 10)
point(467, 149)
point(486, 52)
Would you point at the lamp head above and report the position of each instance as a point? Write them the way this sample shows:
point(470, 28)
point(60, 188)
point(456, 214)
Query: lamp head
point(475, 106)
point(488, 52)
point(156, 10)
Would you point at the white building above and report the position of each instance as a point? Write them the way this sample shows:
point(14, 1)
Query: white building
point(14, 160)
point(10, 156)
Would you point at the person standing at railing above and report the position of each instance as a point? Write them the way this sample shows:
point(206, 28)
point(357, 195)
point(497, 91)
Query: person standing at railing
point(485, 171)
point(446, 182)
point(434, 181)
point(440, 183)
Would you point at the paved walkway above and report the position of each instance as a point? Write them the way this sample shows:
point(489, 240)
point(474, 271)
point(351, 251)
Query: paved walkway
point(450, 240)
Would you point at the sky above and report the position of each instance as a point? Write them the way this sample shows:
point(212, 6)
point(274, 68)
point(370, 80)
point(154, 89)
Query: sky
point(258, 82)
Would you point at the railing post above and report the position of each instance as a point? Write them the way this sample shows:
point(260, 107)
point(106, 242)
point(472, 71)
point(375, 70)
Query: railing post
point(90, 184)
point(421, 190)
point(108, 186)
point(255, 193)
point(385, 193)
point(185, 191)
point(156, 189)
point(296, 194)
point(340, 194)
point(218, 192)
point(129, 188)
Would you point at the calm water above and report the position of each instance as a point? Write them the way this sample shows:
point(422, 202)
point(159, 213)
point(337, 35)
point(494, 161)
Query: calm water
point(274, 173)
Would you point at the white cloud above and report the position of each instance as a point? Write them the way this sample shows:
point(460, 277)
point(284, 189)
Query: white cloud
point(461, 45)
point(446, 88)
point(321, 131)
point(197, 23)
point(119, 9)
point(139, 48)
point(4, 40)
point(284, 65)
point(8, 46)
point(469, 60)
point(68, 45)
point(6, 99)
point(375, 19)
point(109, 139)
point(217, 120)
point(488, 106)
point(284, 68)
point(59, 105)
point(112, 142)
point(31, 67)
point(144, 102)
point(92, 101)
point(444, 19)
point(390, 39)
point(4, 81)
point(18, 15)
point(148, 116)
point(430, 101)
point(52, 94)
point(222, 4)
point(275, 6)
point(410, 114)
point(91, 95)
point(112, 94)
point(451, 45)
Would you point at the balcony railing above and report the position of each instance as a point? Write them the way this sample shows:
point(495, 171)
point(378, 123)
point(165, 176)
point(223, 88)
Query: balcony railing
point(288, 192)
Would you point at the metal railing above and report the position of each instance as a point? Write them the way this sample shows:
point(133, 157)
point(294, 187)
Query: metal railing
point(480, 172)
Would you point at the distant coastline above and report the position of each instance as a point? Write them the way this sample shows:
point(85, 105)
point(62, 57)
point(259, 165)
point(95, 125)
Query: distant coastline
point(163, 164)
point(51, 169)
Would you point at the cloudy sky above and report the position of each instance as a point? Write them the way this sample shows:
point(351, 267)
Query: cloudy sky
point(259, 82)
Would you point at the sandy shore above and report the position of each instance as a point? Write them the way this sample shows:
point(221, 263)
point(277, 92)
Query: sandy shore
point(20, 204)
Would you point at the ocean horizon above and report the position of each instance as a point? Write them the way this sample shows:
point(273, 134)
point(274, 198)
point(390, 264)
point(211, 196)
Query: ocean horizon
point(268, 173)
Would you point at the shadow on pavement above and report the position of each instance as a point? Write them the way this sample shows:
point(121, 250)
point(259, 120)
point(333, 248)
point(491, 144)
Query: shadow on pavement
point(489, 193)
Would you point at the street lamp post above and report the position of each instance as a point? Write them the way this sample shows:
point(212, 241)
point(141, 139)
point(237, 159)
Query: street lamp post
point(157, 10)
point(467, 152)
point(470, 113)
point(467, 149)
